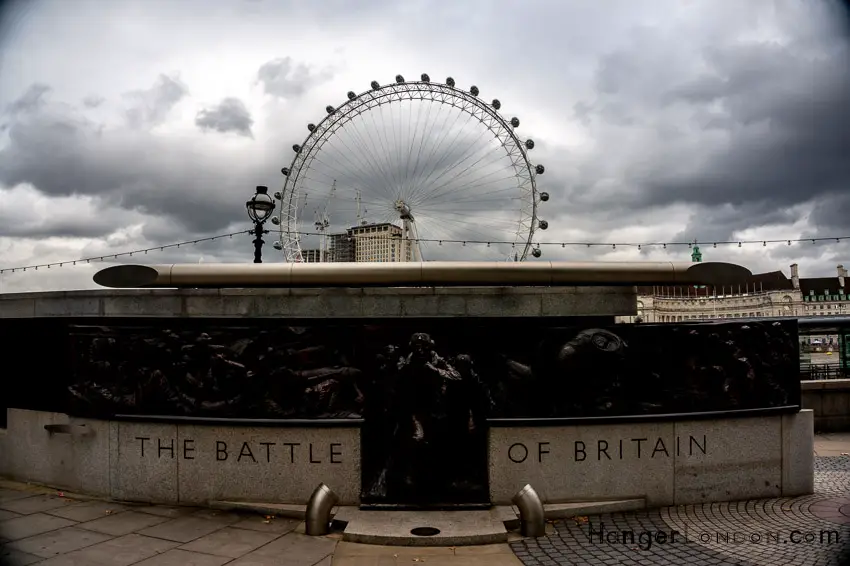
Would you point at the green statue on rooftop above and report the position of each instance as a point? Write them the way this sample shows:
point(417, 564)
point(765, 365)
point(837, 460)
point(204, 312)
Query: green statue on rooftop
point(696, 255)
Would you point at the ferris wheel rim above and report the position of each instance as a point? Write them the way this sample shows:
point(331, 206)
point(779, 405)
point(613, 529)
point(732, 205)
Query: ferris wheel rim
point(399, 91)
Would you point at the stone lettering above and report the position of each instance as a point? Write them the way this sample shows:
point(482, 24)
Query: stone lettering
point(187, 448)
point(268, 446)
point(333, 453)
point(518, 452)
point(245, 452)
point(161, 448)
point(254, 451)
point(143, 438)
point(663, 448)
point(540, 451)
point(602, 448)
point(312, 461)
point(580, 450)
point(523, 451)
point(695, 441)
point(292, 446)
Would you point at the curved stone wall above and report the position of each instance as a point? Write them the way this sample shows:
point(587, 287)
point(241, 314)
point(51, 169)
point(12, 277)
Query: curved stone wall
point(180, 462)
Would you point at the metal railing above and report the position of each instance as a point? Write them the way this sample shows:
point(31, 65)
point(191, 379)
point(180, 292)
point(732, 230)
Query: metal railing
point(823, 371)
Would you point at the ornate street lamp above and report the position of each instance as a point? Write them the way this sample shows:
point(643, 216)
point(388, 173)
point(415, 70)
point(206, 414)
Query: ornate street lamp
point(260, 208)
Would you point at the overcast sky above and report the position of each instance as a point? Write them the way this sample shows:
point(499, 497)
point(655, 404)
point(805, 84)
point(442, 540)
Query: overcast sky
point(136, 123)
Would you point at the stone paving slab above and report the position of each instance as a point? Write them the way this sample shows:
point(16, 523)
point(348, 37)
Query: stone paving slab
point(121, 551)
point(39, 527)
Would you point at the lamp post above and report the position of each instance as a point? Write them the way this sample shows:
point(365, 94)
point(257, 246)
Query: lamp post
point(260, 208)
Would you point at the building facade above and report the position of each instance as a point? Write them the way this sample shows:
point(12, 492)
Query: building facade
point(761, 295)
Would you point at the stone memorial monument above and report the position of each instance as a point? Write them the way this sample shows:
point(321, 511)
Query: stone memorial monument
point(423, 385)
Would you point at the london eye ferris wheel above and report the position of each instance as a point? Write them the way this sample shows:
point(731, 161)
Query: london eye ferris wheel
point(396, 171)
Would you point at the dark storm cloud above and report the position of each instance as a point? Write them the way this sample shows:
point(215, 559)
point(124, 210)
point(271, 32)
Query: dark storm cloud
point(284, 78)
point(61, 154)
point(230, 115)
point(151, 106)
point(30, 100)
point(797, 144)
point(746, 132)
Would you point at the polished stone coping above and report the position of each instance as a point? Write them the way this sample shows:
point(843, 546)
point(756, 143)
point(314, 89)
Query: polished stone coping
point(618, 419)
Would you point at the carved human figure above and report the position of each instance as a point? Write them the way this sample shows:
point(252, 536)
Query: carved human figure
point(421, 415)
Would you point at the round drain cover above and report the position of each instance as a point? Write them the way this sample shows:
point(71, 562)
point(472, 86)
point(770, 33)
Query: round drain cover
point(424, 531)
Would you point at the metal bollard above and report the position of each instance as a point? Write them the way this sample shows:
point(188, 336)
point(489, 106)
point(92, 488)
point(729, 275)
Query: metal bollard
point(318, 514)
point(532, 517)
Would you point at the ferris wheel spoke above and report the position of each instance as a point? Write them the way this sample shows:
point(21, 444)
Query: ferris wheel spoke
point(411, 173)
point(455, 163)
point(465, 217)
point(382, 156)
point(346, 156)
point(447, 187)
point(438, 187)
point(446, 152)
point(340, 173)
point(426, 134)
point(371, 157)
point(468, 198)
point(386, 145)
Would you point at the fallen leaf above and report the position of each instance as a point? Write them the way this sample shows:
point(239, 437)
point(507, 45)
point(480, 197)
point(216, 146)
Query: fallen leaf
point(61, 494)
point(267, 522)
point(108, 511)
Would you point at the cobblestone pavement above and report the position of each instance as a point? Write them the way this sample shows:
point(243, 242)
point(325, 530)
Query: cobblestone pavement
point(808, 531)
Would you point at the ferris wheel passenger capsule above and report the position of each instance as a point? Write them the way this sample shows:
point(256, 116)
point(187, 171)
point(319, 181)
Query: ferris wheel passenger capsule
point(515, 122)
point(311, 127)
point(536, 252)
point(450, 81)
point(425, 78)
point(496, 103)
point(285, 170)
point(544, 196)
point(296, 148)
point(351, 95)
point(277, 245)
point(329, 109)
point(529, 144)
point(375, 85)
point(542, 224)
point(399, 79)
point(278, 195)
point(474, 90)
point(275, 220)
point(539, 169)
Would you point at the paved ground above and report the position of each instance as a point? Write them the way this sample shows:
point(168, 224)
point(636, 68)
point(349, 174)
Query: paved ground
point(44, 527)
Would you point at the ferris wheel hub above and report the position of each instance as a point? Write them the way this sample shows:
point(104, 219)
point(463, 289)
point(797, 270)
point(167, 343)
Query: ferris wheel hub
point(404, 211)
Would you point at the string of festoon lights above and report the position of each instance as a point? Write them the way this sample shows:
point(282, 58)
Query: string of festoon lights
point(536, 245)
